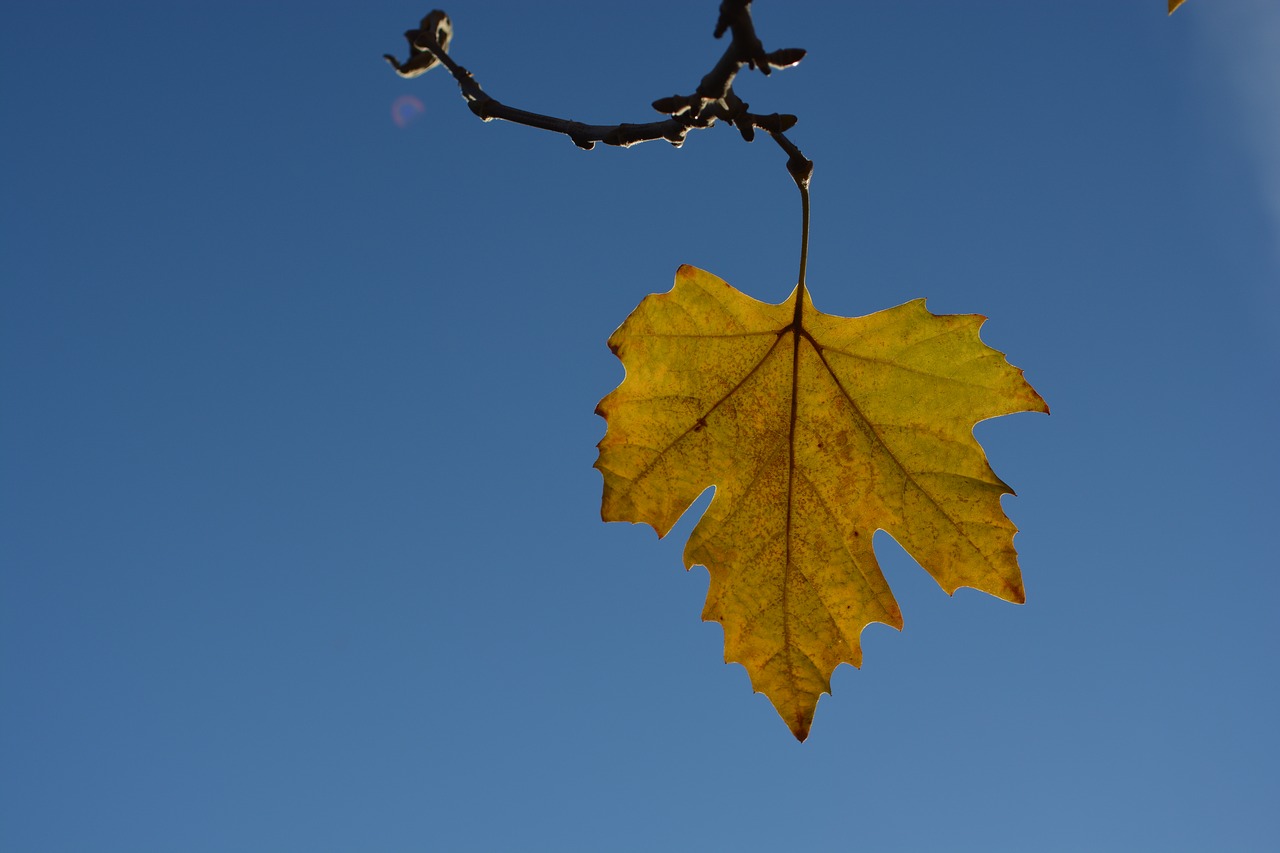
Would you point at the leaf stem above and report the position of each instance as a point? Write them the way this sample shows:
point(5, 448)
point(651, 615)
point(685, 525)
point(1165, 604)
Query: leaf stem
point(801, 169)
point(804, 247)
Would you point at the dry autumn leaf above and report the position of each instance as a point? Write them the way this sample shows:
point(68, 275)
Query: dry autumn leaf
point(1173, 4)
point(816, 431)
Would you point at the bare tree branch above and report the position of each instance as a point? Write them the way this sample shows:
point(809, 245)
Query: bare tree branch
point(714, 99)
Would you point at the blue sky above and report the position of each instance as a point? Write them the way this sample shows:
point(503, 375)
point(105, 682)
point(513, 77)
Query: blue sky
point(299, 535)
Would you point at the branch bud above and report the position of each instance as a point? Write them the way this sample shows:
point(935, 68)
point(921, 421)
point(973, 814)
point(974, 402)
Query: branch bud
point(672, 106)
point(786, 57)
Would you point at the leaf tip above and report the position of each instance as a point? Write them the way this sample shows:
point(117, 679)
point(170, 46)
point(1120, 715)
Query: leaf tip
point(1014, 592)
point(802, 719)
point(1043, 404)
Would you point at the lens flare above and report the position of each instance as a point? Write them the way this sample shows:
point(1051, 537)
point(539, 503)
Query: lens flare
point(405, 109)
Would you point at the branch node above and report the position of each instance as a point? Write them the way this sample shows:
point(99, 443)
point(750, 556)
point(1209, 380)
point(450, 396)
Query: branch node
point(480, 106)
point(801, 169)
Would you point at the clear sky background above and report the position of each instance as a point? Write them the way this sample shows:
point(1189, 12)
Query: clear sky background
point(300, 545)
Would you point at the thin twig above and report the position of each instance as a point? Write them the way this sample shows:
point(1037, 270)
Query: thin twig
point(712, 101)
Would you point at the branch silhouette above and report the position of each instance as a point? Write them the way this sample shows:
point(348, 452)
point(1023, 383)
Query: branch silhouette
point(712, 101)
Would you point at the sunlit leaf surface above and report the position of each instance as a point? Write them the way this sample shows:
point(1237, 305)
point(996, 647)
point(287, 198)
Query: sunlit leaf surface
point(816, 431)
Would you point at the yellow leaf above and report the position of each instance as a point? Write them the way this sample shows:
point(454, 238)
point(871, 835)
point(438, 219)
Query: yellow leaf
point(1174, 4)
point(816, 431)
